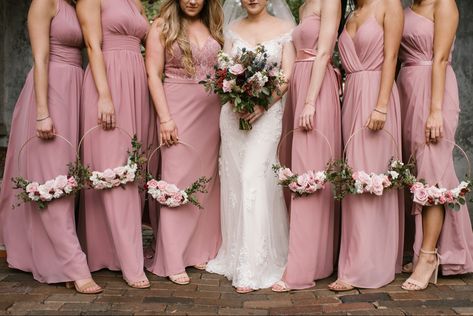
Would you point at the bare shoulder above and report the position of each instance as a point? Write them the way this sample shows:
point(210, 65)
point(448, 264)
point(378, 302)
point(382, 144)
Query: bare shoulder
point(392, 6)
point(44, 6)
point(283, 26)
point(446, 6)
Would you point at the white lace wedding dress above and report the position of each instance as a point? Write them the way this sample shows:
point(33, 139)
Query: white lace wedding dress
point(253, 213)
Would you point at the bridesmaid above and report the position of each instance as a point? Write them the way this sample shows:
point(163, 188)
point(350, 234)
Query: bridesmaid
point(44, 242)
point(312, 104)
point(371, 231)
point(429, 97)
point(115, 94)
point(183, 44)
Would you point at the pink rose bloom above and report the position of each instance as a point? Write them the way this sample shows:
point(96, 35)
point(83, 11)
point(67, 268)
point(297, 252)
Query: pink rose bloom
point(274, 72)
point(355, 175)
point(153, 184)
point(303, 181)
point(71, 181)
point(32, 187)
point(60, 182)
point(449, 196)
point(171, 189)
point(120, 171)
point(162, 185)
point(420, 196)
point(162, 199)
point(228, 85)
point(115, 182)
point(363, 177)
point(416, 186)
point(237, 69)
point(284, 174)
point(434, 192)
point(293, 186)
point(442, 199)
point(108, 175)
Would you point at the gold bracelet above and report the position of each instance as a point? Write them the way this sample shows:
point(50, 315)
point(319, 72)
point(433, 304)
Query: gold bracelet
point(384, 113)
point(39, 120)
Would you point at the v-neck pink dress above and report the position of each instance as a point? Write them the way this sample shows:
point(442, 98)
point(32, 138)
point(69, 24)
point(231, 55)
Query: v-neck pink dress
point(312, 221)
point(372, 226)
point(44, 242)
point(435, 162)
point(110, 220)
point(187, 235)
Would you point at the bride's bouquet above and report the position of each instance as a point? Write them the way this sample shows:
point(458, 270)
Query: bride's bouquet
point(245, 80)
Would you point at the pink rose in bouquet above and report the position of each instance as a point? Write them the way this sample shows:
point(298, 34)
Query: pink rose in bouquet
point(237, 69)
point(421, 196)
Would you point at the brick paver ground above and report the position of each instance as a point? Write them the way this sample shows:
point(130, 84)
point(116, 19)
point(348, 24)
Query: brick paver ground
point(210, 294)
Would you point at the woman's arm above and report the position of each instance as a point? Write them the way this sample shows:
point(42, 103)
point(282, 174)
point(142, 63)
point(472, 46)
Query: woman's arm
point(155, 59)
point(40, 15)
point(445, 27)
point(330, 19)
point(393, 26)
point(89, 14)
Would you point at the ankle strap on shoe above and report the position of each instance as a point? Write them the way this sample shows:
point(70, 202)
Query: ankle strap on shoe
point(429, 252)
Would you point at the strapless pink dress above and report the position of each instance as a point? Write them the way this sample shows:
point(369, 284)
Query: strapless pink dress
point(434, 162)
point(44, 242)
point(312, 221)
point(110, 220)
point(372, 226)
point(188, 236)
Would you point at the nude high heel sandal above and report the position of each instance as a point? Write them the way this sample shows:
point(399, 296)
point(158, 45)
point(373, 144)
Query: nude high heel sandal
point(418, 286)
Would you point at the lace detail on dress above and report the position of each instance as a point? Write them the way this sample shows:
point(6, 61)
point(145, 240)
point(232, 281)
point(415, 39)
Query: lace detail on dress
point(254, 216)
point(204, 60)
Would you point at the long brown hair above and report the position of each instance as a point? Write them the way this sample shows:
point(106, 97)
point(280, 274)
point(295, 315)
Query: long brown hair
point(174, 27)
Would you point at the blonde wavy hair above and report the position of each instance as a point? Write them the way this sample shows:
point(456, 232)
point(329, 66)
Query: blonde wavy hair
point(174, 27)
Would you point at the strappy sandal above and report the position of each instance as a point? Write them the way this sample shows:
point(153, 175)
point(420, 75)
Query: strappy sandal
point(417, 285)
point(280, 287)
point(202, 266)
point(86, 288)
point(143, 284)
point(181, 278)
point(339, 286)
point(244, 290)
point(408, 268)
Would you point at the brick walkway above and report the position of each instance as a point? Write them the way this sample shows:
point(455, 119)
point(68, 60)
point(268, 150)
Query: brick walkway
point(211, 294)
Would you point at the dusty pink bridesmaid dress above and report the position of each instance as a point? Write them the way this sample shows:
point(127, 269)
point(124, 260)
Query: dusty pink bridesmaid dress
point(312, 220)
point(110, 220)
point(186, 235)
point(44, 242)
point(434, 162)
point(372, 226)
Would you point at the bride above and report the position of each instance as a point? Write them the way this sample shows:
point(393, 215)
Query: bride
point(253, 213)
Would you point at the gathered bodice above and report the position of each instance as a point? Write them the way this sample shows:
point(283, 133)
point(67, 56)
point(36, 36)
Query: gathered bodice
point(273, 47)
point(417, 38)
point(123, 26)
point(65, 36)
point(305, 36)
point(365, 51)
point(204, 59)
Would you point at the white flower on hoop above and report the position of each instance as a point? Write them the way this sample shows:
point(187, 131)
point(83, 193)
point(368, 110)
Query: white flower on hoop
point(115, 177)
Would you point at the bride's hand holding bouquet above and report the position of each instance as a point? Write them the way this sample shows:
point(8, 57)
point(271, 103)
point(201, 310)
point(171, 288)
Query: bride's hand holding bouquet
point(247, 81)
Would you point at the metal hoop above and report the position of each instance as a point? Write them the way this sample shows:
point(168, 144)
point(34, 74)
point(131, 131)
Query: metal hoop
point(94, 128)
point(283, 138)
point(179, 142)
point(413, 159)
point(34, 137)
point(396, 146)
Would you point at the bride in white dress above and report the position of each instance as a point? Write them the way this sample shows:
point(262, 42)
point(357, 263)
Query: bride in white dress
point(253, 212)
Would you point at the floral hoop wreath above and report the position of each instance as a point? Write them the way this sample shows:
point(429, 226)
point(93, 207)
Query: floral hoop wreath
point(50, 190)
point(168, 194)
point(360, 182)
point(308, 182)
point(118, 176)
point(431, 195)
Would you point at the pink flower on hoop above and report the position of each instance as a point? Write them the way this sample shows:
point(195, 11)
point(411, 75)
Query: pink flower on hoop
point(421, 196)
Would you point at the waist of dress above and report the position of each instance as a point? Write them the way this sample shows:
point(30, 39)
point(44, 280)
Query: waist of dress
point(425, 63)
point(362, 71)
point(65, 55)
point(181, 80)
point(305, 55)
point(121, 42)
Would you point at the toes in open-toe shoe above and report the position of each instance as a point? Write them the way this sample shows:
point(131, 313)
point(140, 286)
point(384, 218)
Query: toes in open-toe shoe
point(280, 287)
point(244, 290)
point(339, 286)
point(181, 278)
point(142, 284)
point(88, 288)
point(202, 266)
point(412, 284)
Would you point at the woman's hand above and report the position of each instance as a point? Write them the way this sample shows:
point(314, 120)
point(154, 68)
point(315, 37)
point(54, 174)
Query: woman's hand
point(106, 114)
point(306, 119)
point(168, 133)
point(253, 117)
point(434, 127)
point(45, 128)
point(377, 120)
